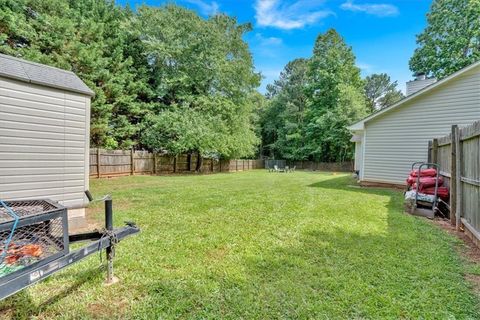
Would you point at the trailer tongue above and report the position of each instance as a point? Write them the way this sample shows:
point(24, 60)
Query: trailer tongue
point(34, 242)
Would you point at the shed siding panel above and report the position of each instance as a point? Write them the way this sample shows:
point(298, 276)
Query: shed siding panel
point(42, 143)
point(400, 137)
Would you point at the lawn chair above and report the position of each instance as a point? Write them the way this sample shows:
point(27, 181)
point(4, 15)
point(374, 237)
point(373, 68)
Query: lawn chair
point(287, 169)
point(275, 168)
point(293, 169)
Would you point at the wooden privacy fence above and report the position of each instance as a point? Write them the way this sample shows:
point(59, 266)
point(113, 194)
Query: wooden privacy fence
point(458, 155)
point(346, 166)
point(111, 163)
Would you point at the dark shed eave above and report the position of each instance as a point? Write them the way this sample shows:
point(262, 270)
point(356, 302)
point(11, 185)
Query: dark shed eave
point(40, 74)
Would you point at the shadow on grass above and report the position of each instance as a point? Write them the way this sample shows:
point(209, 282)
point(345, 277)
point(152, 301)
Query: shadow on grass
point(22, 306)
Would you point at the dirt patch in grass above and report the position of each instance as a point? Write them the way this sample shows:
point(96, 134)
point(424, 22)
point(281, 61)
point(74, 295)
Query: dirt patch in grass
point(102, 311)
point(470, 250)
point(475, 281)
point(217, 254)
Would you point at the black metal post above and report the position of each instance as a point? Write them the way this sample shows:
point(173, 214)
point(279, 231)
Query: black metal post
point(109, 249)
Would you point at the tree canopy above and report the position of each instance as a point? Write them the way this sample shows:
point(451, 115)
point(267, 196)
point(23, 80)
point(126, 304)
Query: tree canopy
point(335, 99)
point(169, 80)
point(204, 78)
point(451, 39)
point(164, 77)
point(313, 102)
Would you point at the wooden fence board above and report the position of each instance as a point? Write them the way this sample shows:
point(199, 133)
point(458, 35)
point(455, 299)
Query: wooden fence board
point(112, 163)
point(462, 163)
point(109, 163)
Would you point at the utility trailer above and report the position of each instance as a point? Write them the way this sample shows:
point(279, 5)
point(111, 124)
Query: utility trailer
point(34, 242)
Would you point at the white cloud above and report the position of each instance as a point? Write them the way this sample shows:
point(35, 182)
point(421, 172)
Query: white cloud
point(207, 8)
point(381, 10)
point(287, 16)
point(268, 41)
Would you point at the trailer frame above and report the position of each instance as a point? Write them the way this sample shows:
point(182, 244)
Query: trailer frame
point(105, 239)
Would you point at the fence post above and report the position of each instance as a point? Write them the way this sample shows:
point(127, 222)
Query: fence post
point(435, 151)
point(236, 165)
point(458, 178)
point(429, 151)
point(132, 161)
point(453, 177)
point(175, 164)
point(98, 164)
point(211, 164)
point(154, 163)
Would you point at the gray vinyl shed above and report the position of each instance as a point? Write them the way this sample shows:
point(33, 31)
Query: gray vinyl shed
point(44, 134)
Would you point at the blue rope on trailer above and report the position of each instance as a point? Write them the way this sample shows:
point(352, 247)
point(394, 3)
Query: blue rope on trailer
point(15, 217)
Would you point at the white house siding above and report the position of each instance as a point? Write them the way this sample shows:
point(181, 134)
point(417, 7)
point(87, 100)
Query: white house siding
point(358, 155)
point(399, 137)
point(43, 143)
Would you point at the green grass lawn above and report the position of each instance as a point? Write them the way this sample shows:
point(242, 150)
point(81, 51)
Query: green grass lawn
point(258, 245)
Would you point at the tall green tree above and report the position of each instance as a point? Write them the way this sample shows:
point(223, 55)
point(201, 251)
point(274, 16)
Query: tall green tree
point(451, 39)
point(204, 79)
point(283, 122)
point(381, 92)
point(335, 99)
point(93, 39)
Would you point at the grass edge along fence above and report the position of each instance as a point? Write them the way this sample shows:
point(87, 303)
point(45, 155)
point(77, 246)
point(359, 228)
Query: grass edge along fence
point(458, 155)
point(115, 163)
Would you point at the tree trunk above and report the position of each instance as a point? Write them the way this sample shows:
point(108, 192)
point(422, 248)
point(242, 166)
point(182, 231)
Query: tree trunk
point(199, 162)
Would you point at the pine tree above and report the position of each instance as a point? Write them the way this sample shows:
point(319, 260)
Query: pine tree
point(381, 92)
point(283, 121)
point(335, 99)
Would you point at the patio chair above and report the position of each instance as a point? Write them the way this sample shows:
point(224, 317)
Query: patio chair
point(275, 168)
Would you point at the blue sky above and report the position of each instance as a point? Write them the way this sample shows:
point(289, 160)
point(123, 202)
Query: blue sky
point(381, 32)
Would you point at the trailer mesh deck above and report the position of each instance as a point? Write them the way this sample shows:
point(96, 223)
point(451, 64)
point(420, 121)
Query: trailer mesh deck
point(25, 209)
point(40, 234)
